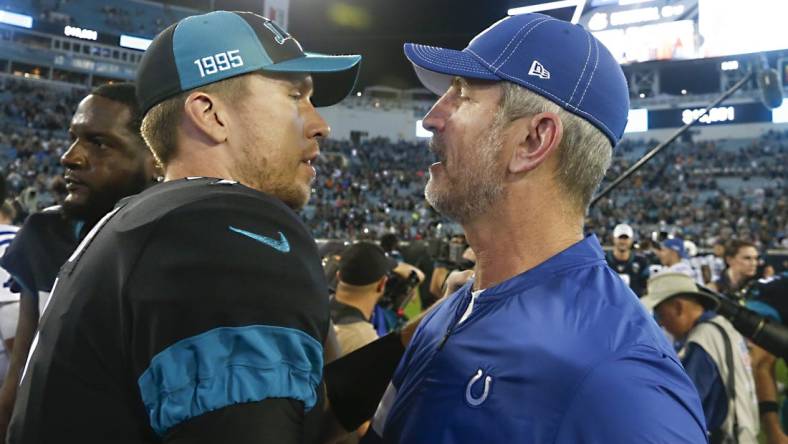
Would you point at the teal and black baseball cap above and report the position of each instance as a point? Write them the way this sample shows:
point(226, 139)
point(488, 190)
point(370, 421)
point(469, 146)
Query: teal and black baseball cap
point(208, 48)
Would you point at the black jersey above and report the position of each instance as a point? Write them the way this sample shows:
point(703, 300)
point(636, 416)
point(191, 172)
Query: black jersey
point(634, 271)
point(41, 246)
point(193, 312)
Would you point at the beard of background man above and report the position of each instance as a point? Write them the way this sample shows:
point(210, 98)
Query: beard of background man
point(469, 190)
point(102, 201)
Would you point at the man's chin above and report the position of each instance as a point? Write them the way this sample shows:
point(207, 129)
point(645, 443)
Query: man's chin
point(295, 198)
point(75, 206)
point(440, 200)
point(82, 210)
point(297, 202)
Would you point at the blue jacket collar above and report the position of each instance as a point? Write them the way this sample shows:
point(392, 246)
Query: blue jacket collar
point(585, 253)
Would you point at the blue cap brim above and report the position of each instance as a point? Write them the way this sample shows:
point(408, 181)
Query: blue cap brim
point(435, 67)
point(334, 76)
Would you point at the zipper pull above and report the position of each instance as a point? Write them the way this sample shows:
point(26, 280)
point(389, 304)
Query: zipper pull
point(445, 338)
point(454, 324)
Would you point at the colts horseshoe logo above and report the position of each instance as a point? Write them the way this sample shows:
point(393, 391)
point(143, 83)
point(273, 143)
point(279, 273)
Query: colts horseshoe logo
point(475, 402)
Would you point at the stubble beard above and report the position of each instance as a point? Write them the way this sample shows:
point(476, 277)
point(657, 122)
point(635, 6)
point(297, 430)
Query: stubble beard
point(469, 192)
point(256, 171)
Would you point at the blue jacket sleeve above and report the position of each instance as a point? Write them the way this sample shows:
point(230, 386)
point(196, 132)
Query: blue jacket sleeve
point(643, 396)
point(704, 374)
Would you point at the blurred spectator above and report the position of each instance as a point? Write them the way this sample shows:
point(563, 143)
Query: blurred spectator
point(9, 301)
point(697, 263)
point(672, 256)
point(458, 257)
point(633, 268)
point(390, 245)
point(712, 352)
point(363, 273)
point(716, 261)
point(362, 276)
point(742, 260)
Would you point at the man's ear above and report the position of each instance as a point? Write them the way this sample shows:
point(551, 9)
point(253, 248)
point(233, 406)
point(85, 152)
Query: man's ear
point(207, 115)
point(535, 137)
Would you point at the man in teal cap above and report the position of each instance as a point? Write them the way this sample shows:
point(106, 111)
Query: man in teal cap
point(197, 311)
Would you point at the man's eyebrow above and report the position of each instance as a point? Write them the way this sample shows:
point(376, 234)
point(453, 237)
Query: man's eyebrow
point(82, 130)
point(304, 83)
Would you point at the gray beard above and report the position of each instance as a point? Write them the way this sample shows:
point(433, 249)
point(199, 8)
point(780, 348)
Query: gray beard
point(472, 194)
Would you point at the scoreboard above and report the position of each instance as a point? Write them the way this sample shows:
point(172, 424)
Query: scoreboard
point(646, 30)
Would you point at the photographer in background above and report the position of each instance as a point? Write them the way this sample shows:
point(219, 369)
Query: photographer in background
point(768, 298)
point(713, 353)
point(362, 277)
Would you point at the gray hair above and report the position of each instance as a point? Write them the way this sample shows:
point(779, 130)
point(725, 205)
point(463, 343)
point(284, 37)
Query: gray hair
point(584, 154)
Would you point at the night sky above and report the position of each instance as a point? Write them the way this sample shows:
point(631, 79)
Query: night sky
point(383, 26)
point(377, 29)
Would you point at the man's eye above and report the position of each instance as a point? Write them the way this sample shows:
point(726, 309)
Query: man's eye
point(99, 143)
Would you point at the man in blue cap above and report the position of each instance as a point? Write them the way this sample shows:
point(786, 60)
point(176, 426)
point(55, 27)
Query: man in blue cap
point(546, 344)
point(197, 310)
point(672, 255)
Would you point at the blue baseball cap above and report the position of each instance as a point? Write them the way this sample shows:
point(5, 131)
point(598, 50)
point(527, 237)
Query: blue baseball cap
point(558, 60)
point(208, 48)
point(676, 244)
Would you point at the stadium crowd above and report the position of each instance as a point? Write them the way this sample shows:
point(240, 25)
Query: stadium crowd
point(139, 18)
point(704, 192)
point(708, 191)
point(723, 193)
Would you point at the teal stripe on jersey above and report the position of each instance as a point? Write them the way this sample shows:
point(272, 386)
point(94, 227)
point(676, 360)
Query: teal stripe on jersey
point(230, 365)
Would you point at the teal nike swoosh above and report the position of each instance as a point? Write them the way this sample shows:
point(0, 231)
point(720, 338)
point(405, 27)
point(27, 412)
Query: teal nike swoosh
point(280, 245)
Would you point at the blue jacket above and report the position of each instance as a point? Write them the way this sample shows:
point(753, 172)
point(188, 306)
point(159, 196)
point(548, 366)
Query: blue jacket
point(563, 353)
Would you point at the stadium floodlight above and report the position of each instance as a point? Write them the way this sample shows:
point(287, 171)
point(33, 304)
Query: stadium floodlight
point(780, 115)
point(128, 41)
point(542, 7)
point(637, 121)
point(12, 18)
point(730, 65)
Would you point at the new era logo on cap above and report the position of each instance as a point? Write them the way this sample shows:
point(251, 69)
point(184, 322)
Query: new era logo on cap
point(537, 70)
